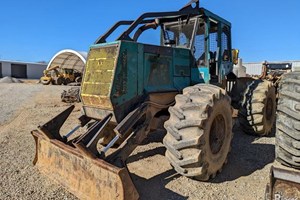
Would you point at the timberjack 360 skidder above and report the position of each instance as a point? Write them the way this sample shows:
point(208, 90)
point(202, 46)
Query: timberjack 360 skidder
point(128, 87)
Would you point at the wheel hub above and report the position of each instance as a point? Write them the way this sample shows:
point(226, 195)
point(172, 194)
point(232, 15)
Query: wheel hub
point(217, 134)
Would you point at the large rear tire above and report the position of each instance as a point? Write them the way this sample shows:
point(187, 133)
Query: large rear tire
point(258, 110)
point(287, 145)
point(199, 131)
point(59, 81)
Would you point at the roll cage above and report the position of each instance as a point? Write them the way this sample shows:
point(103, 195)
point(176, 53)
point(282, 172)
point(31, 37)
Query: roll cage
point(155, 19)
point(215, 33)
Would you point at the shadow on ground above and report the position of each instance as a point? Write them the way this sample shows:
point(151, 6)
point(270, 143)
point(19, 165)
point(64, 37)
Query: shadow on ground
point(245, 157)
point(157, 185)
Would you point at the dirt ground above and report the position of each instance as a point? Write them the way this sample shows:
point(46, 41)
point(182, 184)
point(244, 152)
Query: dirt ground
point(24, 106)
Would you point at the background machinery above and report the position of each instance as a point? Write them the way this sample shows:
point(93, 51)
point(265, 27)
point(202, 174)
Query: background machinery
point(130, 88)
point(273, 71)
point(51, 75)
point(57, 76)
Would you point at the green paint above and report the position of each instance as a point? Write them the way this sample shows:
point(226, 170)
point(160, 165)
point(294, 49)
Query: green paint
point(121, 74)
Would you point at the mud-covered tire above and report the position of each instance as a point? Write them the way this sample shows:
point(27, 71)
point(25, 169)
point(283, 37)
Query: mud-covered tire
point(67, 81)
point(287, 145)
point(257, 113)
point(59, 81)
point(199, 131)
point(78, 79)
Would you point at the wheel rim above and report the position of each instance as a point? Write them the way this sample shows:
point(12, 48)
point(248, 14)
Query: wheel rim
point(269, 109)
point(217, 134)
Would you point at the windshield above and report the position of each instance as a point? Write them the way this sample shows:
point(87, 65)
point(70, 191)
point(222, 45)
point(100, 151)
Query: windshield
point(179, 33)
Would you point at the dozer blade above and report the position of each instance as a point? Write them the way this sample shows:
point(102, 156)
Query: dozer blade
point(284, 184)
point(85, 177)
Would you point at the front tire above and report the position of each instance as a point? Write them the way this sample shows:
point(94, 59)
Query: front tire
point(59, 81)
point(45, 81)
point(67, 81)
point(199, 131)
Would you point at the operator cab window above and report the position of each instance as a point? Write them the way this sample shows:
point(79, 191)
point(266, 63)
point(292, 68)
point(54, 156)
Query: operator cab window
point(199, 45)
point(178, 34)
point(225, 52)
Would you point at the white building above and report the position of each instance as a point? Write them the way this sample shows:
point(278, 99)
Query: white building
point(66, 58)
point(255, 68)
point(19, 69)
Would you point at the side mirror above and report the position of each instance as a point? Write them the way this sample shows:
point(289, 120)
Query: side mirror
point(235, 56)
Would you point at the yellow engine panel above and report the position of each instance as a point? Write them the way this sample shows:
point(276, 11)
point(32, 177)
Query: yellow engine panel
point(98, 76)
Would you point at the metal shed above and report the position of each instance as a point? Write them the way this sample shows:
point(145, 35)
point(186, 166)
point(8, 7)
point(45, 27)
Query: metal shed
point(21, 69)
point(69, 59)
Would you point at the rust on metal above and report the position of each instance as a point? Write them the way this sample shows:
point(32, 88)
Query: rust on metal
point(51, 129)
point(85, 177)
point(284, 184)
point(286, 190)
point(122, 76)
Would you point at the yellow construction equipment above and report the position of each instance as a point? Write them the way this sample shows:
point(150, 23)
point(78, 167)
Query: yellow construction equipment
point(57, 76)
point(52, 75)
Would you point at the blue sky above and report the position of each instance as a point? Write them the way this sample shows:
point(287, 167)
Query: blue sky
point(34, 30)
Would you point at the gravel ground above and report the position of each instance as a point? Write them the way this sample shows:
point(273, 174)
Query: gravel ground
point(25, 106)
